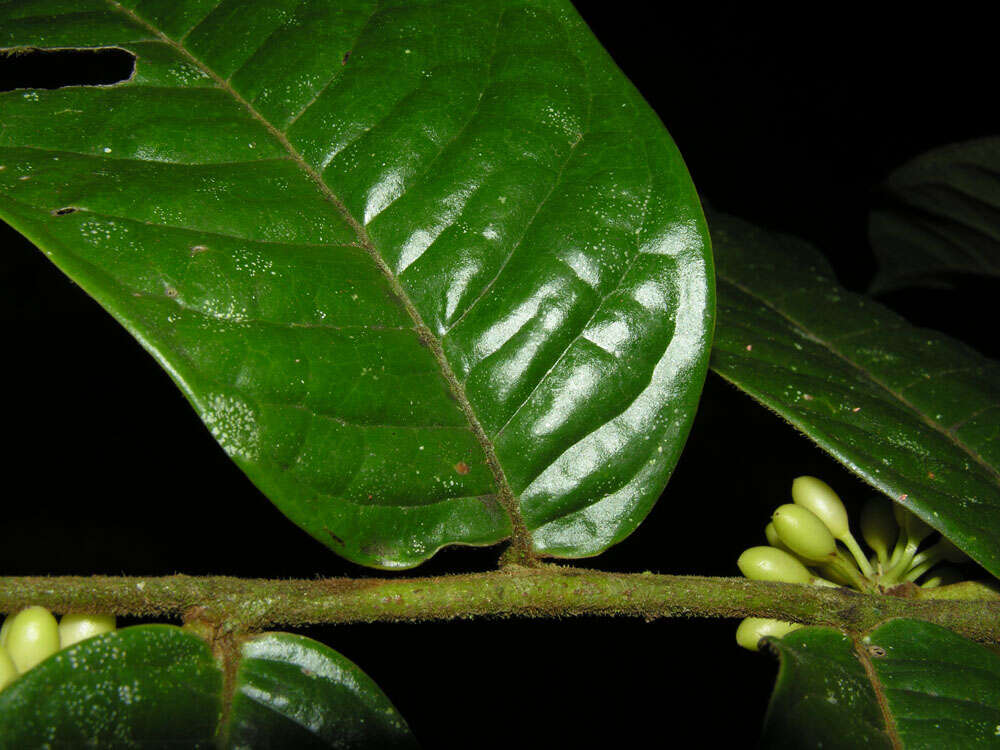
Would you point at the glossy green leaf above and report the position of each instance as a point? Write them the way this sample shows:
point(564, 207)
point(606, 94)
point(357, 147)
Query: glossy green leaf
point(822, 697)
point(909, 410)
point(151, 686)
point(292, 691)
point(939, 215)
point(432, 272)
point(907, 684)
point(156, 686)
point(941, 689)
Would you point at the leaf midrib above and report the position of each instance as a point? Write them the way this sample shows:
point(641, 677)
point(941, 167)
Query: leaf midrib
point(520, 536)
point(828, 346)
point(879, 692)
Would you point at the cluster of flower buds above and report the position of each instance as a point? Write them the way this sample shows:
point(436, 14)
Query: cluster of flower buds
point(809, 541)
point(32, 635)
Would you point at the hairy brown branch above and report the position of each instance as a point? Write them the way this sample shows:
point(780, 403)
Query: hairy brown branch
point(255, 604)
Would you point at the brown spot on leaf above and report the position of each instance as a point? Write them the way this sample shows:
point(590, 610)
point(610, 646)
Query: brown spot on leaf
point(492, 506)
point(462, 468)
point(345, 58)
point(198, 249)
point(63, 211)
point(171, 292)
point(489, 502)
point(877, 651)
point(376, 549)
point(334, 537)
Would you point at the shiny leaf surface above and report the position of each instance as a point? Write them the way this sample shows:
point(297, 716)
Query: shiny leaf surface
point(292, 691)
point(432, 272)
point(939, 215)
point(822, 697)
point(909, 410)
point(156, 686)
point(906, 684)
point(150, 686)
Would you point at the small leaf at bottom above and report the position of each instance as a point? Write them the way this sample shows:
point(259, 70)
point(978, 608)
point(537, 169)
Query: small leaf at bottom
point(292, 691)
point(822, 697)
point(907, 684)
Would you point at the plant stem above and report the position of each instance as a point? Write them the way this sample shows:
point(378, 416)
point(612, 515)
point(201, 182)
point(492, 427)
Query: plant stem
point(255, 604)
point(897, 571)
point(843, 565)
point(916, 571)
point(901, 542)
point(855, 549)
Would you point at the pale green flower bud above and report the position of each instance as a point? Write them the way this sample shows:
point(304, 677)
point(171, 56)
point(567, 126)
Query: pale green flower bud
point(819, 497)
point(914, 528)
point(33, 637)
point(878, 526)
point(833, 572)
point(771, 564)
point(752, 629)
point(4, 628)
point(7, 669)
point(775, 541)
point(943, 576)
point(772, 537)
point(76, 628)
point(803, 533)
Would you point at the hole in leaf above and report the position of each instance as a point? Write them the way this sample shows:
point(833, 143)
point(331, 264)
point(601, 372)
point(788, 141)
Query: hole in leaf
point(54, 69)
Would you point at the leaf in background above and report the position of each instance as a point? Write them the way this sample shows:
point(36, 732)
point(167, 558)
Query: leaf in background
point(911, 411)
point(155, 686)
point(432, 272)
point(939, 215)
point(907, 684)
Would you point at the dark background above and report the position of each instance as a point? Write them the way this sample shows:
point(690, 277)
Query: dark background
point(785, 117)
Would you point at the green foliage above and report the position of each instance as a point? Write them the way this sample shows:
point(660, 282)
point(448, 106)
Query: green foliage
point(905, 684)
point(438, 277)
point(910, 411)
point(433, 273)
point(822, 691)
point(127, 687)
point(939, 216)
point(294, 692)
point(155, 686)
